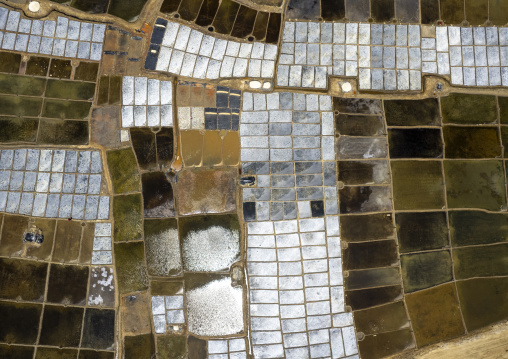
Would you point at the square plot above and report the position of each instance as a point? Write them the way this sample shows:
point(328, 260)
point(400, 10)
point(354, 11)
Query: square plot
point(211, 118)
point(99, 329)
point(102, 257)
point(20, 322)
point(381, 319)
point(68, 241)
point(366, 227)
point(437, 267)
point(206, 313)
point(317, 208)
point(67, 284)
point(415, 143)
point(365, 199)
point(139, 346)
point(210, 243)
point(358, 10)
point(476, 227)
point(172, 345)
point(484, 261)
point(363, 172)
point(412, 112)
point(206, 191)
point(426, 317)
point(372, 254)
point(7, 351)
point(131, 268)
point(361, 147)
point(471, 142)
point(175, 317)
point(482, 310)
point(418, 231)
point(162, 247)
point(469, 109)
point(128, 211)
point(22, 279)
point(61, 326)
point(12, 232)
point(475, 184)
point(249, 211)
point(102, 287)
point(417, 185)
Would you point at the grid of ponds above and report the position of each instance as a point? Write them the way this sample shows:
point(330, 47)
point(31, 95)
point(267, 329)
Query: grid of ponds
point(192, 183)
